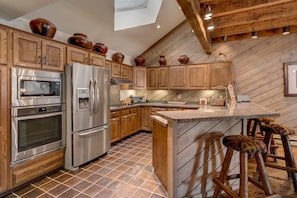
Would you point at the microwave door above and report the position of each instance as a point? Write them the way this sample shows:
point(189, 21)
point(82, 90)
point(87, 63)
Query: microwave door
point(82, 97)
point(101, 96)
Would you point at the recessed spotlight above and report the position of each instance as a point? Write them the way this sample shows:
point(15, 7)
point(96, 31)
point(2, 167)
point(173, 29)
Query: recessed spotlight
point(254, 35)
point(286, 30)
point(158, 26)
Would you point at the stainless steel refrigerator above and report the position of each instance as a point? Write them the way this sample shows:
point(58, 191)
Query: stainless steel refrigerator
point(87, 114)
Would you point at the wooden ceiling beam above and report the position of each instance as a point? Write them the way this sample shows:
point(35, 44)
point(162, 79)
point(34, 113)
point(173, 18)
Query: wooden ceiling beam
point(191, 9)
point(255, 26)
point(255, 15)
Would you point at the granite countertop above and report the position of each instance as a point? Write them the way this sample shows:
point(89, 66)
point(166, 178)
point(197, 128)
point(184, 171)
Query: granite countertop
point(236, 110)
point(155, 104)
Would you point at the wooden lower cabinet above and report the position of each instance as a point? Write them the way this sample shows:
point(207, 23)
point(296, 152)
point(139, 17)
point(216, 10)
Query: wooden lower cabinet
point(115, 126)
point(37, 167)
point(146, 113)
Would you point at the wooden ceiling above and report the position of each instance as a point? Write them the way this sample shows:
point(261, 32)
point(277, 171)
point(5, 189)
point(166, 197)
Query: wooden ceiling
point(237, 19)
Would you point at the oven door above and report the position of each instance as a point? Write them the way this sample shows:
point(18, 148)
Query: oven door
point(36, 134)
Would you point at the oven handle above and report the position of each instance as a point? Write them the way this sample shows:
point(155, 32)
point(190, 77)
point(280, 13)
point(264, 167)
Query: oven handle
point(38, 116)
point(94, 131)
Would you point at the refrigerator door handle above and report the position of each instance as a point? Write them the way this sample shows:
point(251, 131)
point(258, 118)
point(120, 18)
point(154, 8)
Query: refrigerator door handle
point(94, 131)
point(96, 92)
point(91, 87)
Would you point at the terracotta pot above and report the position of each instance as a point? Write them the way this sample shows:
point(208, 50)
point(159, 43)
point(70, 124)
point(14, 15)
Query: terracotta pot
point(162, 60)
point(118, 57)
point(43, 27)
point(139, 61)
point(183, 59)
point(100, 47)
point(80, 40)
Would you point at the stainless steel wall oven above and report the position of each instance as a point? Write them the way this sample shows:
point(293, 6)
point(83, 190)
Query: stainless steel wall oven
point(37, 114)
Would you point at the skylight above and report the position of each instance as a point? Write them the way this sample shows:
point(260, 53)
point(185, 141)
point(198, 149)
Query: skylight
point(134, 13)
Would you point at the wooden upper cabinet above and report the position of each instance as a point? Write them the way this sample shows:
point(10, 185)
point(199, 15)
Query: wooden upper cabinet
point(177, 77)
point(220, 73)
point(163, 78)
point(152, 78)
point(96, 59)
point(124, 71)
point(32, 51)
point(115, 70)
point(3, 46)
point(197, 77)
point(26, 50)
point(53, 55)
point(77, 55)
point(139, 79)
point(130, 73)
point(108, 64)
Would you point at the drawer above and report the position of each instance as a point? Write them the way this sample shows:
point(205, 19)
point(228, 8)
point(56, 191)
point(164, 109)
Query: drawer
point(125, 112)
point(133, 110)
point(115, 114)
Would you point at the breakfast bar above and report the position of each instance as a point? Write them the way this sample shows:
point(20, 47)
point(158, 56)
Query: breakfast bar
point(187, 147)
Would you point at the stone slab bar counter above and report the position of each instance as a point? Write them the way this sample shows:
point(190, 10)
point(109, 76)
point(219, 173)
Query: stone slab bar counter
point(188, 150)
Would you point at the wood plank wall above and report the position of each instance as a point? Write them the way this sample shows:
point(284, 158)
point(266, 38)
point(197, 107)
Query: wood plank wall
point(257, 66)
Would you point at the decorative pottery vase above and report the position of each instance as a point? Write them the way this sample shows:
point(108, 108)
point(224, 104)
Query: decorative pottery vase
point(43, 27)
point(139, 61)
point(80, 40)
point(183, 59)
point(100, 47)
point(162, 60)
point(118, 57)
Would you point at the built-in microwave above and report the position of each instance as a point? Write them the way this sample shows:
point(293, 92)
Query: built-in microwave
point(35, 87)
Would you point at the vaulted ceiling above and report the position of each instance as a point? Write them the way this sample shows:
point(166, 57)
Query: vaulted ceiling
point(237, 19)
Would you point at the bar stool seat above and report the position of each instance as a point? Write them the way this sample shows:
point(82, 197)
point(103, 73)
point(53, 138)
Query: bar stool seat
point(284, 132)
point(246, 145)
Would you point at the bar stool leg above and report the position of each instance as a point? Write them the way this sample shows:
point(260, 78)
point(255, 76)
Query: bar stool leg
point(224, 171)
point(263, 173)
point(290, 161)
point(267, 141)
point(244, 175)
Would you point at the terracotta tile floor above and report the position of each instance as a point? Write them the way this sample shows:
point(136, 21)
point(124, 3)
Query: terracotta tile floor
point(127, 172)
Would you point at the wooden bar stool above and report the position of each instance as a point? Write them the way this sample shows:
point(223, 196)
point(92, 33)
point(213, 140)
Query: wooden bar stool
point(284, 132)
point(246, 145)
point(254, 130)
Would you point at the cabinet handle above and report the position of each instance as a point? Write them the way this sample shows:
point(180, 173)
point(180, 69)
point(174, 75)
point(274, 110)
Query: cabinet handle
point(44, 59)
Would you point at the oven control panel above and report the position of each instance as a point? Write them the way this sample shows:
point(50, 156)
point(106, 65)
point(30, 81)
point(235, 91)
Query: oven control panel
point(36, 110)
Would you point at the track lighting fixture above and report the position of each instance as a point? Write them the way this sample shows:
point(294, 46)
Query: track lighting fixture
point(210, 26)
point(286, 30)
point(208, 13)
point(224, 38)
point(254, 35)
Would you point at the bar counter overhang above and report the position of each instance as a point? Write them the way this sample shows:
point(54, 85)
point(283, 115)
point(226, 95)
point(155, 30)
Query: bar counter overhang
point(194, 150)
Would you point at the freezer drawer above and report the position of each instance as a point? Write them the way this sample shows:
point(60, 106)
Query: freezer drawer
point(90, 144)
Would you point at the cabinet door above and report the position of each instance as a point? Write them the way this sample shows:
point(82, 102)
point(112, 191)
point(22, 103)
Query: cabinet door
point(3, 46)
point(115, 129)
point(139, 79)
point(177, 76)
point(146, 113)
point(97, 59)
point(132, 123)
point(163, 78)
point(220, 74)
point(77, 55)
point(53, 55)
point(108, 64)
point(124, 71)
point(115, 70)
point(152, 78)
point(124, 126)
point(197, 77)
point(139, 119)
point(26, 50)
point(4, 130)
point(130, 73)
